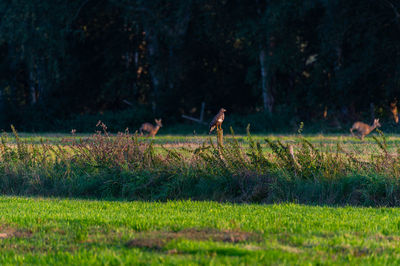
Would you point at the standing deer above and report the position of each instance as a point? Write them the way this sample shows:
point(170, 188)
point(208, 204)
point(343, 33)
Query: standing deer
point(364, 129)
point(394, 111)
point(150, 128)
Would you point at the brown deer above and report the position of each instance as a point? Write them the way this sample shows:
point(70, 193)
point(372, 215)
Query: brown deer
point(364, 129)
point(394, 111)
point(150, 128)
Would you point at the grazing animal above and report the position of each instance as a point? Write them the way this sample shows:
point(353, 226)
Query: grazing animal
point(217, 120)
point(150, 128)
point(394, 110)
point(364, 129)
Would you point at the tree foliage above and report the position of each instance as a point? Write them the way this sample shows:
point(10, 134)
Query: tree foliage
point(316, 59)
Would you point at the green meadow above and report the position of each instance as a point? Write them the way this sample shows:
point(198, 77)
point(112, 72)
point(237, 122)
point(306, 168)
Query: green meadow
point(82, 232)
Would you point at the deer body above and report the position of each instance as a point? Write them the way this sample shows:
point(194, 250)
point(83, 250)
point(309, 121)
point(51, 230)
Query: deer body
point(151, 129)
point(394, 110)
point(364, 129)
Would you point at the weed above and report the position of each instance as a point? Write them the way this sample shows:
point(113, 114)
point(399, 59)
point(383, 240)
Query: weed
point(127, 166)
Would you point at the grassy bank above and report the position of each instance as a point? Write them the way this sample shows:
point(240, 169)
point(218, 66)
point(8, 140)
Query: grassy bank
point(60, 232)
point(313, 170)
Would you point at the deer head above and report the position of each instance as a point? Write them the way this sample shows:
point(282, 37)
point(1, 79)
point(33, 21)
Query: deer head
point(158, 122)
point(376, 123)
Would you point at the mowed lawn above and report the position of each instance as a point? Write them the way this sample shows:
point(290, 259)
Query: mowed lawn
point(83, 232)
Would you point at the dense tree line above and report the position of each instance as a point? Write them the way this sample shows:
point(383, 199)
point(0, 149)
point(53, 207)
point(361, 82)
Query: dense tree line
point(312, 59)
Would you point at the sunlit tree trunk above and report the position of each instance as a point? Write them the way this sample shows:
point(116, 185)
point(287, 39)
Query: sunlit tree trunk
point(268, 100)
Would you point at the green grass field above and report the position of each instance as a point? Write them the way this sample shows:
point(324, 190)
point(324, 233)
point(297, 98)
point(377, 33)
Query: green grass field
point(81, 232)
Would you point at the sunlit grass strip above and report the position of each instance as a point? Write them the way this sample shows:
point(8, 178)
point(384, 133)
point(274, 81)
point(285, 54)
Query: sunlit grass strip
point(62, 231)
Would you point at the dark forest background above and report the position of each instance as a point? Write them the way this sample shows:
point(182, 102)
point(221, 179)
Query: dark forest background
point(270, 63)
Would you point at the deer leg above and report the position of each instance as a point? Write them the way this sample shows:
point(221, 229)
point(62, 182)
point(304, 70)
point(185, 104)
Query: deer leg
point(351, 131)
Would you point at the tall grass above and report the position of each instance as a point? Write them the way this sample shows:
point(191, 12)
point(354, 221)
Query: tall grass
point(128, 167)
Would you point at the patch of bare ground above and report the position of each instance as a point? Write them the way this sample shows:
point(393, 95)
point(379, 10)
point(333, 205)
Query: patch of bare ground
point(158, 239)
point(347, 249)
point(380, 237)
point(9, 232)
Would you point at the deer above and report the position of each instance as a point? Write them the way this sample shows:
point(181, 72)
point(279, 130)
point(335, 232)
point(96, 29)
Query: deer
point(150, 128)
point(364, 129)
point(394, 111)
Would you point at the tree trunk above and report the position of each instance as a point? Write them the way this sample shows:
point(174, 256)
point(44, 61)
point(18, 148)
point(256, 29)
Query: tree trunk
point(156, 85)
point(176, 34)
point(152, 46)
point(395, 11)
point(268, 100)
point(372, 110)
point(338, 57)
point(32, 87)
